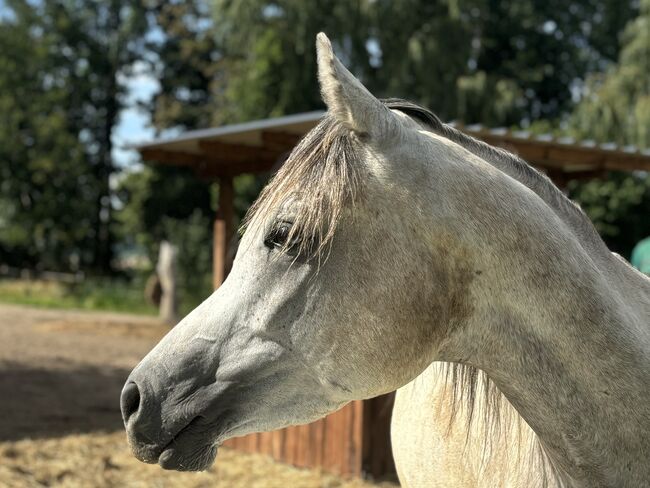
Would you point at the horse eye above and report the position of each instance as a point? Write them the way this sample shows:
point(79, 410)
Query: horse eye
point(277, 238)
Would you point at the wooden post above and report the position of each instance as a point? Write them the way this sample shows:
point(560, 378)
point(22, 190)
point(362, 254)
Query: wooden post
point(166, 270)
point(223, 232)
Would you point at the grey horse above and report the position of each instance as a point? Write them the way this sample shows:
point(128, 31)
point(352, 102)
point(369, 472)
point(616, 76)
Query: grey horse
point(392, 251)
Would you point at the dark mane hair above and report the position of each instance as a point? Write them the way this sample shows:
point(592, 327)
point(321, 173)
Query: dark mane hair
point(513, 166)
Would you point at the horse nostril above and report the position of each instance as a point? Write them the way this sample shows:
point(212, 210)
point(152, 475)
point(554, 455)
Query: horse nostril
point(130, 400)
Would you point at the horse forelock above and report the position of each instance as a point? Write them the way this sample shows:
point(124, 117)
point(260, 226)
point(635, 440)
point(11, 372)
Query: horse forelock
point(322, 175)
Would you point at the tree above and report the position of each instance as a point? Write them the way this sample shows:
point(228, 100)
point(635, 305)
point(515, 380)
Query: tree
point(619, 207)
point(44, 180)
point(77, 54)
point(270, 48)
point(97, 44)
point(167, 203)
point(491, 61)
point(189, 65)
point(65, 63)
point(164, 203)
point(616, 103)
point(616, 107)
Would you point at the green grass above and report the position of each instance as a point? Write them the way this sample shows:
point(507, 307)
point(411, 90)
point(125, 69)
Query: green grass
point(92, 294)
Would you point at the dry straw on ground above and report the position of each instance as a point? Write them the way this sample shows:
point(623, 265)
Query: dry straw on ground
point(103, 460)
point(61, 373)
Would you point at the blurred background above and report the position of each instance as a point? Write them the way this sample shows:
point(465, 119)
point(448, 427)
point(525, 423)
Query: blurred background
point(82, 217)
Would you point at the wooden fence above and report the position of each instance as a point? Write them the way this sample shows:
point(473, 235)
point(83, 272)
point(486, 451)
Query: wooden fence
point(352, 442)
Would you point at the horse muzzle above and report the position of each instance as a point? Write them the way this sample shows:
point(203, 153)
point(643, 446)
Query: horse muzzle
point(183, 439)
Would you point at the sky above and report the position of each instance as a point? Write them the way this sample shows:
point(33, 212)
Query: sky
point(134, 124)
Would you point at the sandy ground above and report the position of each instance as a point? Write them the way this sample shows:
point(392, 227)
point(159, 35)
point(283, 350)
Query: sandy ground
point(60, 377)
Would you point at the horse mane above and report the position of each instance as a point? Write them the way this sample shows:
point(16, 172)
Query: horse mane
point(515, 167)
point(324, 170)
point(471, 388)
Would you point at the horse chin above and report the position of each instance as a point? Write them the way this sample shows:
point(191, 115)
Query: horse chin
point(192, 449)
point(199, 458)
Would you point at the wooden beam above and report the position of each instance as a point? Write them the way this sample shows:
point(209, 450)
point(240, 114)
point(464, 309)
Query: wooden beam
point(223, 232)
point(630, 163)
point(551, 154)
point(576, 157)
point(213, 172)
point(587, 175)
point(236, 152)
point(212, 167)
point(280, 141)
point(525, 150)
point(565, 166)
point(219, 159)
point(175, 158)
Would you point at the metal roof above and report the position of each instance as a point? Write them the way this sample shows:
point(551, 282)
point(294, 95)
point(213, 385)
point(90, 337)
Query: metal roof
point(256, 147)
point(247, 132)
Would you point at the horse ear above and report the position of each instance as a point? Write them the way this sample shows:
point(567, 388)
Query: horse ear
point(348, 100)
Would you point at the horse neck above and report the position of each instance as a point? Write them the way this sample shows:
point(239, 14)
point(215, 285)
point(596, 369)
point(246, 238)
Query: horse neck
point(574, 359)
point(520, 171)
point(559, 323)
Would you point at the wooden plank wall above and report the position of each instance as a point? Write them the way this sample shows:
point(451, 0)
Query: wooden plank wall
point(334, 443)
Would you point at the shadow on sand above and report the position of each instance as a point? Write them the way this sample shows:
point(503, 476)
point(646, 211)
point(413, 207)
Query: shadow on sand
point(36, 403)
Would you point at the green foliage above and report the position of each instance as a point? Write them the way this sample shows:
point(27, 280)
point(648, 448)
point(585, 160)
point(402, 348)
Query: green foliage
point(191, 67)
point(116, 295)
point(150, 195)
point(247, 188)
point(489, 61)
point(42, 171)
point(168, 203)
point(619, 207)
point(60, 100)
point(270, 48)
point(63, 64)
point(616, 107)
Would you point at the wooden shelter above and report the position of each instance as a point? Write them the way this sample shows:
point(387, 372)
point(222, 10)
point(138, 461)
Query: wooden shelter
point(354, 441)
